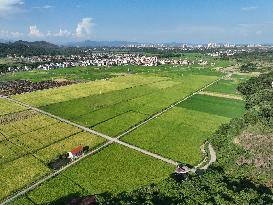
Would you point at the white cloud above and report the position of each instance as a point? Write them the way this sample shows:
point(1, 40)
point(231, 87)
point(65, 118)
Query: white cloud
point(249, 8)
point(16, 34)
point(47, 7)
point(10, 34)
point(34, 32)
point(84, 28)
point(49, 33)
point(43, 7)
point(259, 32)
point(10, 6)
point(62, 33)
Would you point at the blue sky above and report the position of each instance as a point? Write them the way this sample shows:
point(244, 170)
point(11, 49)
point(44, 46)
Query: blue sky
point(189, 21)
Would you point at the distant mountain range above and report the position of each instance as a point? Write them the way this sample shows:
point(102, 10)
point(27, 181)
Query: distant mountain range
point(89, 43)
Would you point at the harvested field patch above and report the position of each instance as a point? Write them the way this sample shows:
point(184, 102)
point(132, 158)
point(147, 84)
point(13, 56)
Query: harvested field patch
point(23, 86)
point(221, 95)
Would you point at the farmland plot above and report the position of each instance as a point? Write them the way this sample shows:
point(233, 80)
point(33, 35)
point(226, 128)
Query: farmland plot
point(114, 169)
point(228, 86)
point(9, 151)
point(78, 107)
point(148, 95)
point(120, 123)
point(19, 173)
point(40, 133)
point(28, 141)
point(93, 118)
point(177, 134)
point(7, 107)
point(22, 201)
point(53, 151)
point(54, 189)
point(45, 136)
point(225, 86)
point(230, 108)
point(50, 96)
point(24, 122)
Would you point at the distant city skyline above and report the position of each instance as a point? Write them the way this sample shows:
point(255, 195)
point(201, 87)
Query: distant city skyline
point(154, 21)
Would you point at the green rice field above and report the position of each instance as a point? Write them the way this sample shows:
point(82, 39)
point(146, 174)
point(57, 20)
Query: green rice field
point(111, 170)
point(124, 101)
point(228, 86)
point(177, 134)
point(229, 108)
point(112, 103)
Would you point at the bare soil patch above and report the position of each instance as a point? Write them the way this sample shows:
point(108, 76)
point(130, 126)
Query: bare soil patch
point(23, 86)
point(260, 148)
point(221, 95)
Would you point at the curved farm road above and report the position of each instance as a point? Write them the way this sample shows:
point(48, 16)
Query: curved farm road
point(212, 154)
point(212, 159)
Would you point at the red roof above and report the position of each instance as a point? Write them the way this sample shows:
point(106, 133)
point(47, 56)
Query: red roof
point(76, 150)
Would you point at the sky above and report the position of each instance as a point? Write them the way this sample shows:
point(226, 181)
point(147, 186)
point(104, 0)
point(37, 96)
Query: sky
point(155, 21)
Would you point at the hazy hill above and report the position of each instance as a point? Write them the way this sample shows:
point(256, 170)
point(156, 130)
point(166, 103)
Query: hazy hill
point(26, 48)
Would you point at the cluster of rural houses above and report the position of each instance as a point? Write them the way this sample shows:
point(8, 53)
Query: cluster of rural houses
point(182, 62)
point(52, 62)
point(102, 59)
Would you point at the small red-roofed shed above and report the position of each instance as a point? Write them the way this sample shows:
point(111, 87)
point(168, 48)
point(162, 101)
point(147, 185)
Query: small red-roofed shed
point(76, 152)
